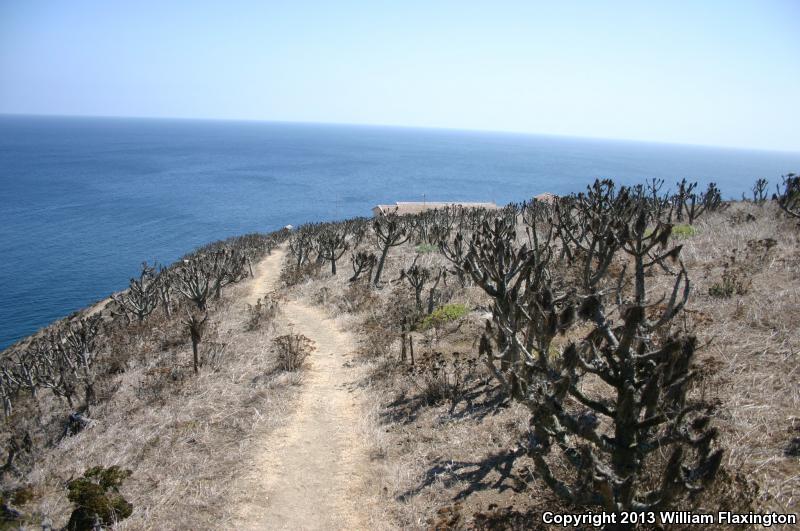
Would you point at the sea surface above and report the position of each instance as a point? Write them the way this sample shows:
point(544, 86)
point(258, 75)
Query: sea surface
point(83, 201)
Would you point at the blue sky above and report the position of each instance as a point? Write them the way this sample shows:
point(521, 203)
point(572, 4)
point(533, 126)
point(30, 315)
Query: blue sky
point(714, 72)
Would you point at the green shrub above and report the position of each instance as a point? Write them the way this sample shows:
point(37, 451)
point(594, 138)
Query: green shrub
point(96, 497)
point(683, 231)
point(678, 231)
point(443, 315)
point(425, 248)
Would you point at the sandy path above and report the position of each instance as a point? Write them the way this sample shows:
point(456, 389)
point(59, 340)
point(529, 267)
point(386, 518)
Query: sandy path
point(265, 275)
point(309, 473)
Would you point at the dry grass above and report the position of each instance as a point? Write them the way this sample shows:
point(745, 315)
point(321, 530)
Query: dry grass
point(447, 469)
point(754, 355)
point(185, 438)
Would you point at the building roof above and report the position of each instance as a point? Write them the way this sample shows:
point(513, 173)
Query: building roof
point(546, 197)
point(411, 207)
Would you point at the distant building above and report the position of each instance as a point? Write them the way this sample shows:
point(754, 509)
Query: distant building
point(546, 197)
point(401, 207)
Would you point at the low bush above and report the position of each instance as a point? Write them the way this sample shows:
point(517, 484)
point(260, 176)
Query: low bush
point(738, 218)
point(293, 349)
point(443, 315)
point(439, 378)
point(261, 313)
point(292, 275)
point(683, 231)
point(680, 231)
point(358, 296)
point(214, 355)
point(383, 324)
point(97, 499)
point(731, 283)
point(425, 248)
point(758, 251)
point(10, 500)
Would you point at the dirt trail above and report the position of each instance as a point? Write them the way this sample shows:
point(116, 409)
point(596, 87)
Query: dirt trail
point(309, 474)
point(265, 275)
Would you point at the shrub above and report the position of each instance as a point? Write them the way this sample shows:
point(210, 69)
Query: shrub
point(376, 339)
point(383, 324)
point(22, 495)
point(293, 349)
point(440, 379)
point(730, 284)
point(738, 218)
point(292, 275)
point(683, 231)
point(680, 231)
point(443, 315)
point(215, 355)
point(10, 517)
point(759, 250)
point(261, 313)
point(425, 248)
point(158, 384)
point(97, 499)
point(358, 296)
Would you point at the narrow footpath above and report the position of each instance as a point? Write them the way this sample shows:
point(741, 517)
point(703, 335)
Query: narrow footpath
point(309, 473)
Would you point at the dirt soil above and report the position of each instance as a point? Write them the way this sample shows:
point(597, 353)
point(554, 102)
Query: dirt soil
point(310, 473)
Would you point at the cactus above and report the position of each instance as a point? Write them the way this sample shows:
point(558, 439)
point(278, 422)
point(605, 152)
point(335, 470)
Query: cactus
point(331, 244)
point(416, 276)
point(54, 371)
point(681, 197)
point(362, 262)
point(75, 343)
point(646, 370)
point(390, 231)
point(164, 283)
point(194, 282)
point(789, 196)
point(300, 245)
point(434, 226)
point(226, 266)
point(760, 191)
point(196, 325)
point(8, 391)
point(59, 361)
point(142, 295)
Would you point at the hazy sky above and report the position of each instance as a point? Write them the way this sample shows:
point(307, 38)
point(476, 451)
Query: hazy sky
point(702, 72)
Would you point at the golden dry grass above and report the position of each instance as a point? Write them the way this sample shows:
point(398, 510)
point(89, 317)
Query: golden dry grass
point(188, 440)
point(440, 468)
point(754, 355)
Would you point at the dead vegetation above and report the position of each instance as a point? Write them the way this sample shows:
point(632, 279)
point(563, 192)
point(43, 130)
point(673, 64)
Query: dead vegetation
point(620, 349)
point(108, 391)
point(721, 291)
point(292, 350)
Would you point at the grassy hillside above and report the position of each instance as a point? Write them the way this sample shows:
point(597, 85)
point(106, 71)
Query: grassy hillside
point(505, 357)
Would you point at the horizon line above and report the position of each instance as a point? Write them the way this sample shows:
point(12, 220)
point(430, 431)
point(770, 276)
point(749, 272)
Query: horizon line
point(404, 126)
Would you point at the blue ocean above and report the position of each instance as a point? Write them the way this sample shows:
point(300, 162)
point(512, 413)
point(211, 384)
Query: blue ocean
point(83, 201)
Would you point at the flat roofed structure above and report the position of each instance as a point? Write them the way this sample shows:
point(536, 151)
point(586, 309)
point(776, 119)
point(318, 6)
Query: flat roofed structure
point(546, 197)
point(407, 207)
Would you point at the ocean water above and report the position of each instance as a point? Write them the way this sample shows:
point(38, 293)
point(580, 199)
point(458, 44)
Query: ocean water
point(84, 201)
